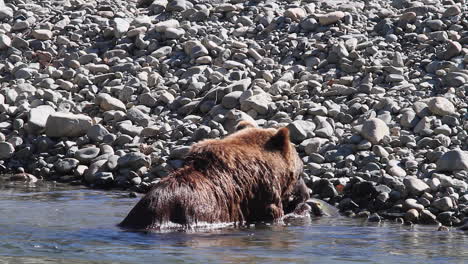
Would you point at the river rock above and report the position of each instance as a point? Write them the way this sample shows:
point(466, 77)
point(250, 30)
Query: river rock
point(85, 155)
point(5, 42)
point(6, 150)
point(374, 130)
point(42, 34)
point(107, 102)
point(415, 186)
point(133, 160)
point(443, 204)
point(441, 106)
point(296, 14)
point(165, 25)
point(300, 130)
point(38, 118)
point(66, 165)
point(454, 160)
point(97, 133)
point(67, 125)
point(330, 18)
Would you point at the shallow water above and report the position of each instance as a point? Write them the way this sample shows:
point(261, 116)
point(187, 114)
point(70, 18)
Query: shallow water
point(53, 224)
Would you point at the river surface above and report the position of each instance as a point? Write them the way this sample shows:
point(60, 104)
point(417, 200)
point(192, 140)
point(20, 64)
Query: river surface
point(53, 224)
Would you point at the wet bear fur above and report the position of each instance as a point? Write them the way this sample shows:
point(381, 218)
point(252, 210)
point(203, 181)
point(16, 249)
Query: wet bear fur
point(249, 176)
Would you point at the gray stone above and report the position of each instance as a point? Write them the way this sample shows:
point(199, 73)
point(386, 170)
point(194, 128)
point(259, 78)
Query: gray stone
point(107, 102)
point(180, 152)
point(85, 155)
point(134, 160)
point(300, 130)
point(121, 27)
point(415, 186)
point(64, 166)
point(426, 217)
point(231, 100)
point(453, 160)
point(330, 18)
point(5, 42)
point(443, 204)
point(256, 100)
point(97, 133)
point(412, 215)
point(67, 125)
point(38, 118)
point(164, 25)
point(103, 178)
point(409, 204)
point(441, 106)
point(138, 117)
point(374, 130)
point(6, 150)
point(94, 168)
point(42, 34)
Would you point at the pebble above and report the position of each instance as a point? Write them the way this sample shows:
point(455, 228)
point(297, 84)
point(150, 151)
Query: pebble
point(6, 150)
point(443, 204)
point(415, 186)
point(67, 125)
point(66, 165)
point(453, 160)
point(85, 155)
point(331, 18)
point(374, 130)
point(42, 34)
point(441, 106)
point(5, 42)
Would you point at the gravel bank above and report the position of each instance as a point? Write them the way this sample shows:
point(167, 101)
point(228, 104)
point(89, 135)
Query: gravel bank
point(112, 93)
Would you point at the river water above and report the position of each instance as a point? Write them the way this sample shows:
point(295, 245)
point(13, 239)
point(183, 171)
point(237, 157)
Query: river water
point(53, 224)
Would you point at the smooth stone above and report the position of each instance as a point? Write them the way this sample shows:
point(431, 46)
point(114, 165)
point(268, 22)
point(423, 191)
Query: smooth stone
point(121, 27)
point(6, 150)
point(453, 160)
point(5, 42)
point(97, 133)
point(443, 204)
point(94, 168)
point(85, 155)
point(66, 165)
point(134, 160)
point(296, 14)
point(138, 117)
point(452, 49)
point(42, 34)
point(441, 106)
point(415, 186)
point(409, 204)
point(103, 178)
point(412, 215)
point(330, 18)
point(67, 125)
point(37, 118)
point(165, 25)
point(426, 217)
point(300, 130)
point(107, 102)
point(374, 130)
point(231, 100)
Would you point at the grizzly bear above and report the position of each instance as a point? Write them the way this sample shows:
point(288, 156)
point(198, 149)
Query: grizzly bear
point(248, 176)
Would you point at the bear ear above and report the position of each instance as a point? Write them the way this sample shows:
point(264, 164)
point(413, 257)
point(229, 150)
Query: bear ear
point(280, 141)
point(244, 124)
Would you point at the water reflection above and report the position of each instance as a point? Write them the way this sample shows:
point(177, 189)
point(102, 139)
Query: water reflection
point(59, 224)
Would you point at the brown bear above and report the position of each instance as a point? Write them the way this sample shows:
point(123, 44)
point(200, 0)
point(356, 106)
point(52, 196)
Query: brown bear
point(248, 176)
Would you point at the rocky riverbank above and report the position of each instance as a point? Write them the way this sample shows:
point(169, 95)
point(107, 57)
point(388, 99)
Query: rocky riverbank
point(112, 93)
